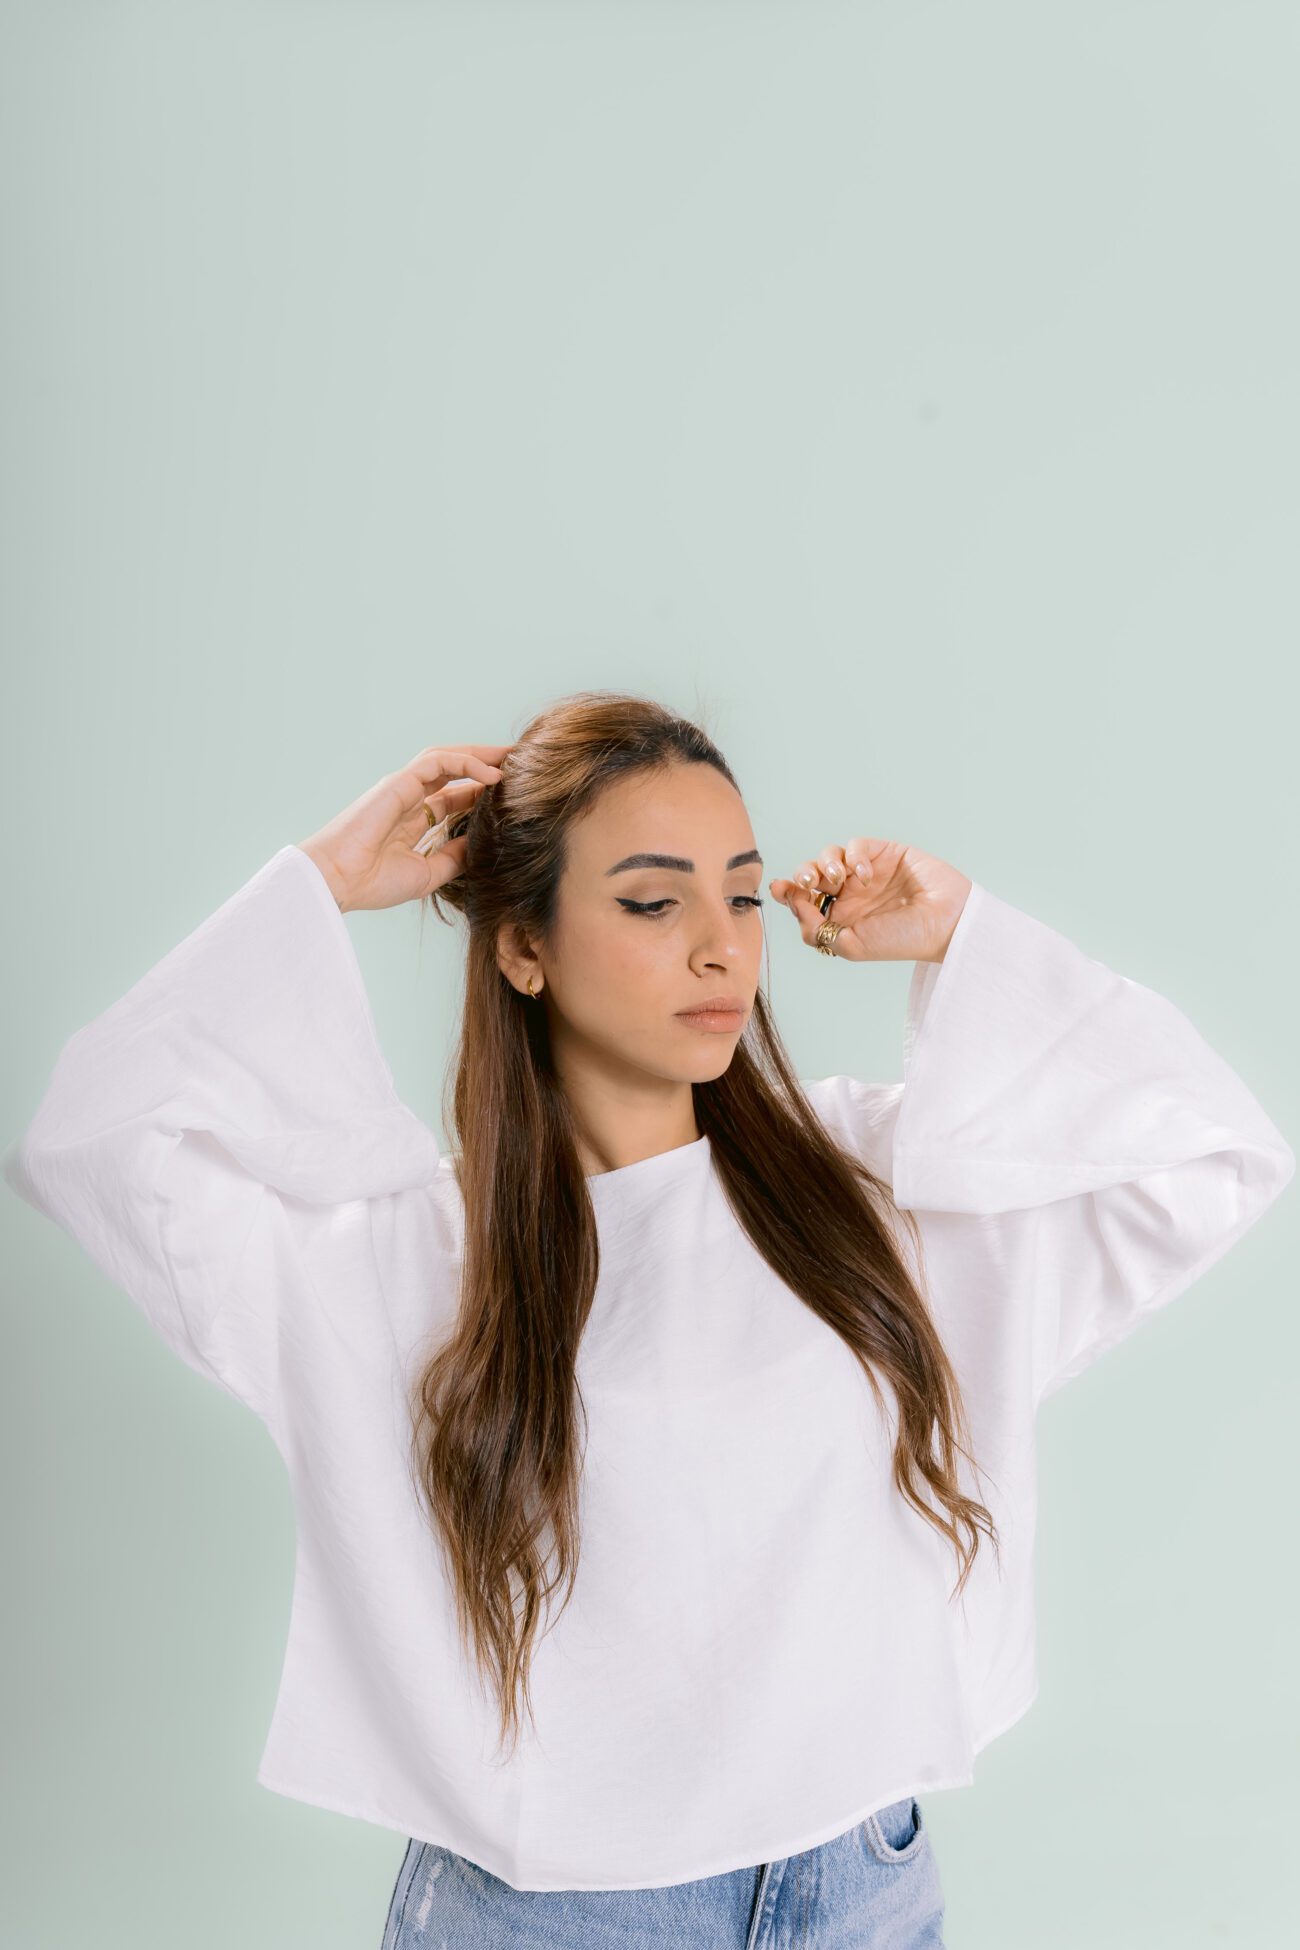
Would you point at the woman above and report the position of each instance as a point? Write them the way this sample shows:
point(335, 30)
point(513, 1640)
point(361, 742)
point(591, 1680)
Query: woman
point(635, 1444)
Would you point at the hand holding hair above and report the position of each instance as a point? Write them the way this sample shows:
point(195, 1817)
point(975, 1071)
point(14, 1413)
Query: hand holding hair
point(367, 852)
point(891, 902)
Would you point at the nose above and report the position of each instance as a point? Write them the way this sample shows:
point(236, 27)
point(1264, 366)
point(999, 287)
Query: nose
point(725, 948)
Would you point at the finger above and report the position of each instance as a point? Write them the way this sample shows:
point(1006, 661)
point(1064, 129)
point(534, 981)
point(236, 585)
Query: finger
point(807, 876)
point(860, 855)
point(785, 890)
point(451, 799)
point(803, 906)
point(446, 861)
point(490, 754)
point(430, 770)
point(459, 761)
point(802, 903)
point(830, 862)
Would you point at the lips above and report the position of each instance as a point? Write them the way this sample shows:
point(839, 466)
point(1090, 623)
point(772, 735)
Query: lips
point(722, 1005)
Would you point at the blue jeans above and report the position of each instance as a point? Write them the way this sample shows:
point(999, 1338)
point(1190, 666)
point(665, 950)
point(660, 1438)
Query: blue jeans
point(877, 1883)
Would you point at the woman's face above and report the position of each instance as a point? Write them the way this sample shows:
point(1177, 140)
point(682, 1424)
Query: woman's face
point(617, 979)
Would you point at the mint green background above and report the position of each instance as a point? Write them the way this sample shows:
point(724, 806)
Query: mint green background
point(908, 391)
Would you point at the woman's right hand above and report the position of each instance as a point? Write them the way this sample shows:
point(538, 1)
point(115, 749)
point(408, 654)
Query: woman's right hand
point(365, 853)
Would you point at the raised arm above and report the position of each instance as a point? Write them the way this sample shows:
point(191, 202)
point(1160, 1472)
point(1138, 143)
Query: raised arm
point(1105, 1153)
point(244, 1067)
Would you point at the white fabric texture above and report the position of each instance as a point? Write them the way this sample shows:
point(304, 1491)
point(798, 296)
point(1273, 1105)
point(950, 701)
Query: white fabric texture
point(761, 1648)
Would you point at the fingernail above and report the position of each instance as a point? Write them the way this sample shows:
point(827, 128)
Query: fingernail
point(860, 870)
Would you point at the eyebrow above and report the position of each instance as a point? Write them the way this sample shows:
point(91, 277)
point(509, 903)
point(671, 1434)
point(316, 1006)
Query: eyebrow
point(675, 863)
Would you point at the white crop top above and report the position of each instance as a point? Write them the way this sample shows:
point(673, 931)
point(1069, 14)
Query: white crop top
point(760, 1648)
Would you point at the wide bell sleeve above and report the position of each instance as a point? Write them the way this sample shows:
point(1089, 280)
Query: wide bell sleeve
point(241, 1073)
point(1102, 1154)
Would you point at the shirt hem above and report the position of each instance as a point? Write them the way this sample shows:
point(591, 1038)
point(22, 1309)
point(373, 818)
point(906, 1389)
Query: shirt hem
point(812, 1838)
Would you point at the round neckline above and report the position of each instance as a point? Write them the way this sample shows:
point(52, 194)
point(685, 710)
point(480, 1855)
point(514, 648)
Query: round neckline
point(679, 1157)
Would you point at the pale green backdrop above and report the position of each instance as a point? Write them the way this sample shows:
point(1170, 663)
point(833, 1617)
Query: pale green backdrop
point(909, 391)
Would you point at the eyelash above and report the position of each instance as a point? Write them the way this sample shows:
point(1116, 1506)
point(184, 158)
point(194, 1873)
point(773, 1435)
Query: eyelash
point(648, 907)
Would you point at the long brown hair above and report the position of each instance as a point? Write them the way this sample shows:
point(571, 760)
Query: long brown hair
point(495, 1411)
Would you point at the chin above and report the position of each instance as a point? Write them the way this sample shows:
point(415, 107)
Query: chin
point(713, 1062)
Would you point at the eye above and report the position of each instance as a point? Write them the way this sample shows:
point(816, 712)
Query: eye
point(655, 908)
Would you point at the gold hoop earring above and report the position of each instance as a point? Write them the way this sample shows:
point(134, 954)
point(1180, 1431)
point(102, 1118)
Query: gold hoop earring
point(535, 993)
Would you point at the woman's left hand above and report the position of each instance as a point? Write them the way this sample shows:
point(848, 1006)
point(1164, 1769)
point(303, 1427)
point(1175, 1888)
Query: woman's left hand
point(902, 906)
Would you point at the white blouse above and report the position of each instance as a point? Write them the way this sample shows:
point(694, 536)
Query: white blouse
point(760, 1649)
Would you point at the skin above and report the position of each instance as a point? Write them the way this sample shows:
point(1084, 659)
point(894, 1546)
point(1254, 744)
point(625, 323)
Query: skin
point(611, 979)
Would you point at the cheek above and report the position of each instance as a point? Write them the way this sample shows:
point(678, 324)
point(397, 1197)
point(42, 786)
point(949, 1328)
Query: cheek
point(624, 971)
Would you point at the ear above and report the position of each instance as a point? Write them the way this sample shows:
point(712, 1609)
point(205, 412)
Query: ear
point(517, 957)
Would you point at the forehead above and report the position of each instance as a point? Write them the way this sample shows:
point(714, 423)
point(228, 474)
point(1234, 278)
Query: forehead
point(690, 810)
